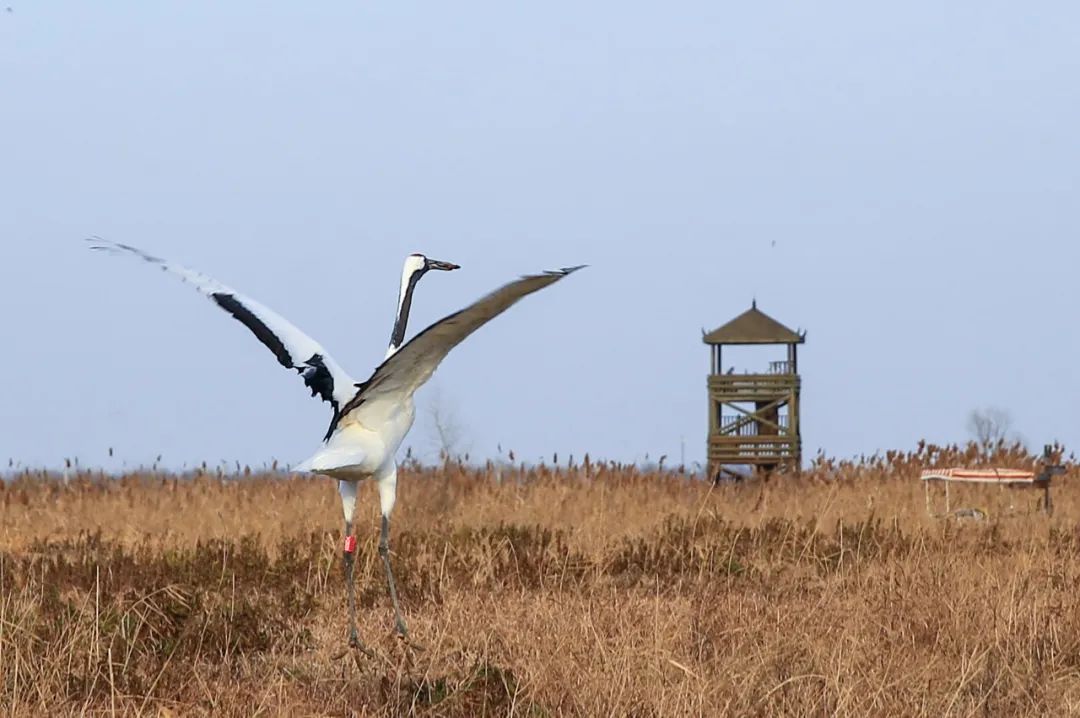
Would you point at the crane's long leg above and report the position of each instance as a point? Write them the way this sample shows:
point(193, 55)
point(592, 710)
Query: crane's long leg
point(348, 504)
point(387, 483)
point(349, 558)
point(384, 552)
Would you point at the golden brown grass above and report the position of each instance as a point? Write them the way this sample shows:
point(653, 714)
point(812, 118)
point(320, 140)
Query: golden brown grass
point(593, 590)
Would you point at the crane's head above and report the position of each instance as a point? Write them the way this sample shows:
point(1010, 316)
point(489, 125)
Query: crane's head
point(418, 264)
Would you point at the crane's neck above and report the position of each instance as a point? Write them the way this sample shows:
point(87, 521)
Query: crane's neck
point(411, 273)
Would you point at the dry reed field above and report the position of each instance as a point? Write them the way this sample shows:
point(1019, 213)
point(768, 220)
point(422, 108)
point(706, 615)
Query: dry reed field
point(584, 590)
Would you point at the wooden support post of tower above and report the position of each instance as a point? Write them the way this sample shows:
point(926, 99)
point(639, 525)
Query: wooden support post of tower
point(754, 416)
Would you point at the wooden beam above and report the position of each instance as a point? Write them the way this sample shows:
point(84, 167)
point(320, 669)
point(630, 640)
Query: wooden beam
point(756, 415)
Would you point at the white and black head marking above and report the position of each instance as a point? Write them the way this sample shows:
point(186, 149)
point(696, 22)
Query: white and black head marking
point(416, 266)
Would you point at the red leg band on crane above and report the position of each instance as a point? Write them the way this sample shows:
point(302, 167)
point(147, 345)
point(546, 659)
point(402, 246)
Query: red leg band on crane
point(350, 544)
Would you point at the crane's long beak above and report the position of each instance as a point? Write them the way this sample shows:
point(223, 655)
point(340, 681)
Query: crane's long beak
point(444, 266)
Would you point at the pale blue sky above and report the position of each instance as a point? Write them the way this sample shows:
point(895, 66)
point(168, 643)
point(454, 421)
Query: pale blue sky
point(917, 165)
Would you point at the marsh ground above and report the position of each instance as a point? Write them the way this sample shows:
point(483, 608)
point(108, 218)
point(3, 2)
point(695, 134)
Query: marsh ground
point(591, 590)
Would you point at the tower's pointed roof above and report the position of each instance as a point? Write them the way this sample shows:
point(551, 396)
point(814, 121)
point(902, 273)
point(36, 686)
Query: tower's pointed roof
point(753, 327)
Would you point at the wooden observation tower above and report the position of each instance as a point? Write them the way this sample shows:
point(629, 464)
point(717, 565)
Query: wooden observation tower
point(754, 417)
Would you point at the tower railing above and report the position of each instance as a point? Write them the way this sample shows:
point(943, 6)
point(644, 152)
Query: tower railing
point(783, 366)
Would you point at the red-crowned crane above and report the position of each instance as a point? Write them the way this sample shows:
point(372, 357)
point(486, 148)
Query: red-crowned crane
point(370, 418)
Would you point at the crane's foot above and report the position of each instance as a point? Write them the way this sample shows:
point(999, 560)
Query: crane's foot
point(402, 635)
point(353, 649)
point(355, 642)
point(355, 646)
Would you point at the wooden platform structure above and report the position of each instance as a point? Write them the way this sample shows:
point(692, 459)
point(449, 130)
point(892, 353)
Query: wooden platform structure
point(1003, 478)
point(754, 417)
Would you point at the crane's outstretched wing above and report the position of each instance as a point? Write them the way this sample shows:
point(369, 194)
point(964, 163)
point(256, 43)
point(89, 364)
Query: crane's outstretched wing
point(293, 348)
point(404, 372)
